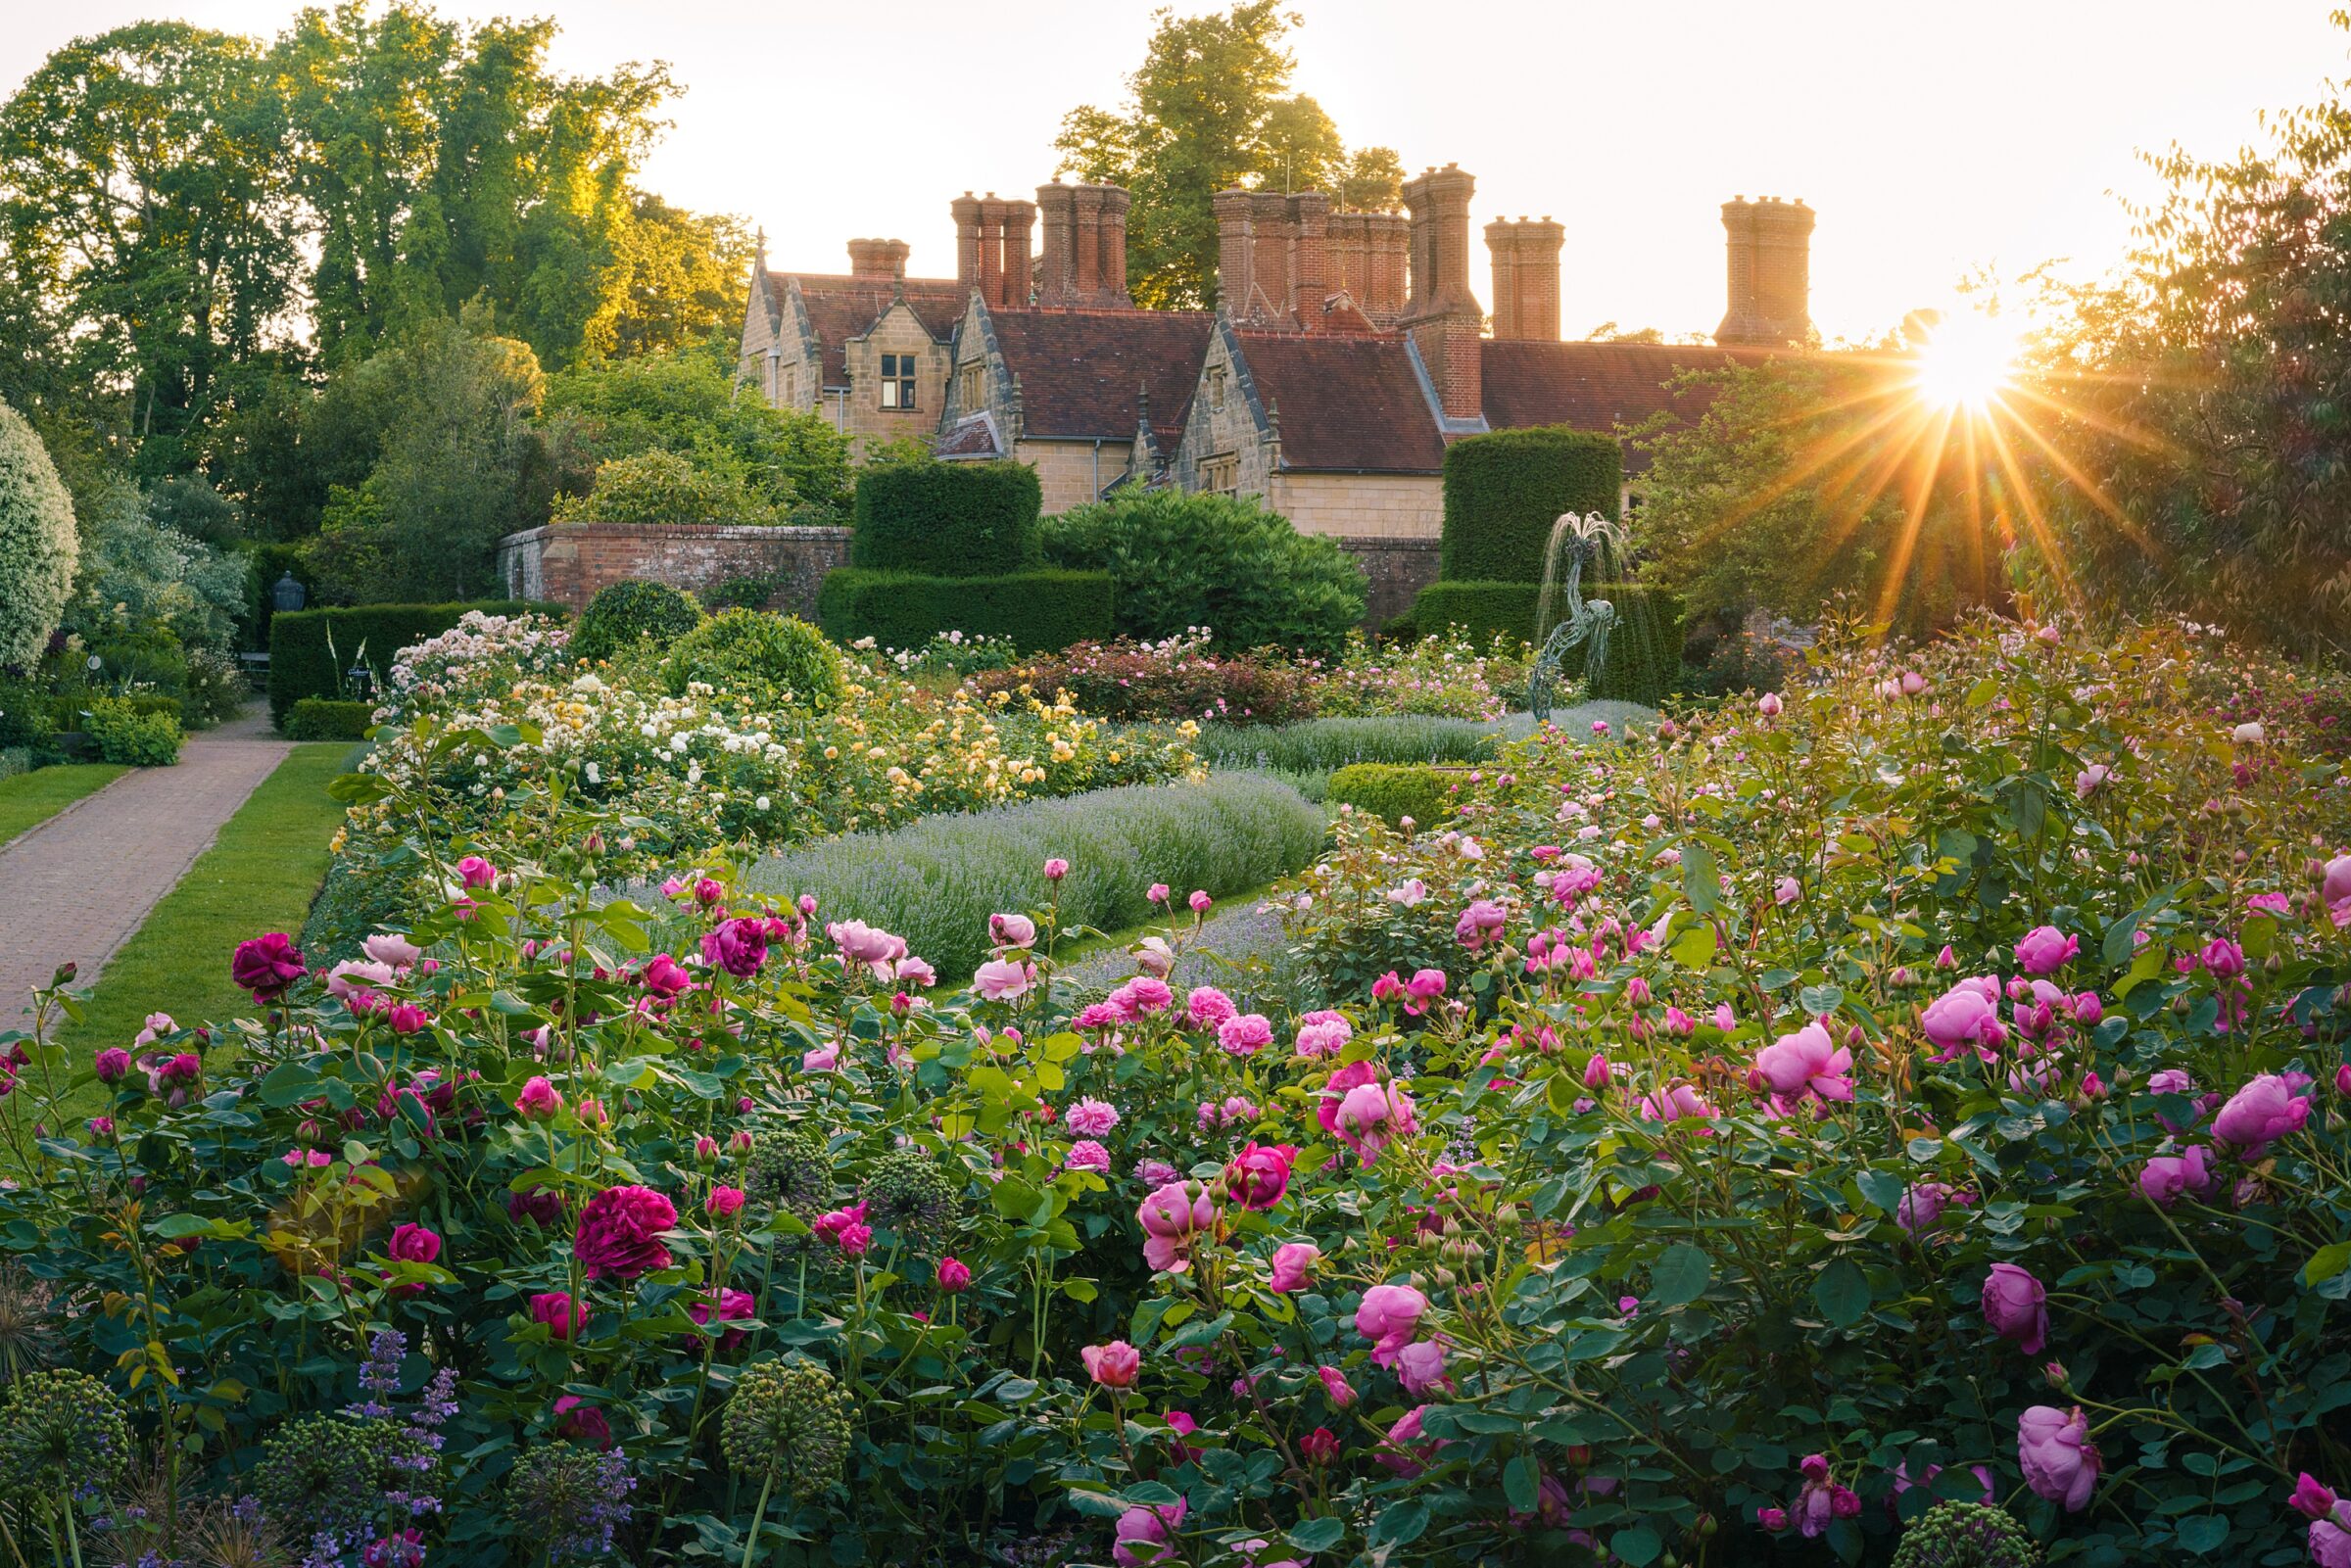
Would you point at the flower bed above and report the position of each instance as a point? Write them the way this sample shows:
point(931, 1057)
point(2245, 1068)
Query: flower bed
point(1719, 1148)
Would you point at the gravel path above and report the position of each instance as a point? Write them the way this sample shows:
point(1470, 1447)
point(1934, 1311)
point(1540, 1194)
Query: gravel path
point(75, 887)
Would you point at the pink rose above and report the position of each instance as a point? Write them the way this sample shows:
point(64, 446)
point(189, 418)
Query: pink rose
point(1144, 1536)
point(414, 1244)
point(475, 872)
point(266, 966)
point(724, 1201)
point(1245, 1035)
point(863, 944)
point(1808, 1062)
point(1405, 1452)
point(2258, 1113)
point(1422, 1366)
point(1003, 981)
point(1011, 931)
point(2016, 1307)
point(1141, 996)
point(1341, 1393)
point(1769, 704)
point(1113, 1365)
point(2165, 1177)
point(1387, 1316)
point(539, 1100)
point(2334, 890)
point(2059, 1461)
point(1056, 869)
point(733, 1306)
point(1090, 1118)
point(1207, 1007)
point(1293, 1264)
point(2044, 950)
point(1171, 1217)
point(1260, 1174)
point(954, 1275)
point(1967, 1016)
point(582, 1422)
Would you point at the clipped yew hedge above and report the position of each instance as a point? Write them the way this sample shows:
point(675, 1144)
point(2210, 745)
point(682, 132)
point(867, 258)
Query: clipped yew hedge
point(1504, 490)
point(948, 519)
point(1040, 611)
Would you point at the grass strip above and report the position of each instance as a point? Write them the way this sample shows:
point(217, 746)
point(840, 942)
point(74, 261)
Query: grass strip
point(29, 799)
point(259, 876)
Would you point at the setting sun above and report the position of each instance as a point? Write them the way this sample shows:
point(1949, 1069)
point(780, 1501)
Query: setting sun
point(1966, 359)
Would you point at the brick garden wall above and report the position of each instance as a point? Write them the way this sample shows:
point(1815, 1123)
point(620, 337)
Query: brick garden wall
point(1397, 566)
point(570, 561)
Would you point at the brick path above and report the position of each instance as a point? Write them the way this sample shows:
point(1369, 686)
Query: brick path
point(75, 887)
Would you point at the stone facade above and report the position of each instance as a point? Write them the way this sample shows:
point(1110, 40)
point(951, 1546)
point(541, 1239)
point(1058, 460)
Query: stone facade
point(1374, 506)
point(1071, 473)
point(867, 416)
point(1229, 443)
point(569, 562)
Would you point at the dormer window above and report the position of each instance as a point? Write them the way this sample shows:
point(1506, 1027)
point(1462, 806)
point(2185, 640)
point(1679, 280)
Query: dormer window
point(897, 381)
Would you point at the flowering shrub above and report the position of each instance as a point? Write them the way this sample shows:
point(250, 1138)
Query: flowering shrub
point(947, 653)
point(1177, 678)
point(1923, 1089)
point(1446, 676)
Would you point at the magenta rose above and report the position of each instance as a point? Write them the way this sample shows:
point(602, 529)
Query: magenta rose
point(2016, 1306)
point(620, 1234)
point(414, 1244)
point(266, 966)
point(582, 1422)
point(2260, 1114)
point(2060, 1463)
point(1260, 1174)
point(563, 1316)
point(737, 947)
point(1388, 1316)
point(2044, 950)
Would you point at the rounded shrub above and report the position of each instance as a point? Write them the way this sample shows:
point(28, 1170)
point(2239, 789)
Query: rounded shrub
point(778, 659)
point(37, 544)
point(1395, 790)
point(1217, 562)
point(664, 486)
point(626, 612)
point(124, 735)
point(1503, 490)
point(947, 519)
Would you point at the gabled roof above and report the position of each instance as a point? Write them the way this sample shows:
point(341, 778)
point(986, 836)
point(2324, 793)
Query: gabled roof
point(1597, 386)
point(1344, 402)
point(974, 436)
point(842, 308)
point(1083, 373)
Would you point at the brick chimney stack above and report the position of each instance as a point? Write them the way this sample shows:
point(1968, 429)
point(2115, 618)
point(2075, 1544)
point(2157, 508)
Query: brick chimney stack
point(1368, 252)
point(991, 247)
point(1770, 266)
point(880, 260)
point(1443, 316)
point(1526, 277)
point(1085, 260)
point(1307, 218)
point(1274, 257)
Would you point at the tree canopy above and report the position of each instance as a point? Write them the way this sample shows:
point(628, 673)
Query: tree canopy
point(1211, 108)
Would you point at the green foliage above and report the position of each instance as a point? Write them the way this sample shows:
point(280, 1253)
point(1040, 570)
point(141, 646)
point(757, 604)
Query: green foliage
point(625, 613)
point(1038, 611)
point(1645, 651)
point(742, 593)
point(1504, 490)
point(1214, 561)
point(124, 735)
point(777, 661)
point(1741, 510)
point(1393, 791)
point(37, 545)
point(440, 460)
point(137, 572)
point(1320, 746)
point(663, 486)
point(312, 652)
point(935, 881)
point(947, 519)
point(214, 689)
point(1966, 1535)
point(326, 718)
point(1211, 108)
point(755, 461)
point(1482, 608)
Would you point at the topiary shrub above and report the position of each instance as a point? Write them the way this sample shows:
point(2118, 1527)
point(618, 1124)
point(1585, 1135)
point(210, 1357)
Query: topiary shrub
point(1215, 561)
point(774, 659)
point(1395, 790)
point(37, 542)
point(123, 735)
point(1039, 612)
point(1966, 1535)
point(947, 519)
point(625, 613)
point(325, 718)
point(1503, 490)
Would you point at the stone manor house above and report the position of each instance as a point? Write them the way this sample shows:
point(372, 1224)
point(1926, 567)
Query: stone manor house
point(1347, 349)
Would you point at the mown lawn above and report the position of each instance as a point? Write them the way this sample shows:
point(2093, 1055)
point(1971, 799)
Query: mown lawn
point(29, 799)
point(260, 876)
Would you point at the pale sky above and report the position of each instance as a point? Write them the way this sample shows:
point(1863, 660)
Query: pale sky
point(1932, 140)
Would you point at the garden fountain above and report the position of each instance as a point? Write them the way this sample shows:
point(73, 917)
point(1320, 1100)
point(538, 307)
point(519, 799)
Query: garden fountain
point(1621, 650)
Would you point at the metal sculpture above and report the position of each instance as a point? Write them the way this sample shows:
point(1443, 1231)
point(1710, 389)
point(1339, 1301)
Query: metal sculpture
point(1585, 623)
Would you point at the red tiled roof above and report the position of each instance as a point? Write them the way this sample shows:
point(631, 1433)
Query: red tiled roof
point(971, 436)
point(1079, 369)
point(1345, 402)
point(842, 308)
point(1597, 386)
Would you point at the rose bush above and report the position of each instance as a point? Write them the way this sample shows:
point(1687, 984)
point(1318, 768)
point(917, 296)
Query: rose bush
point(1698, 1152)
